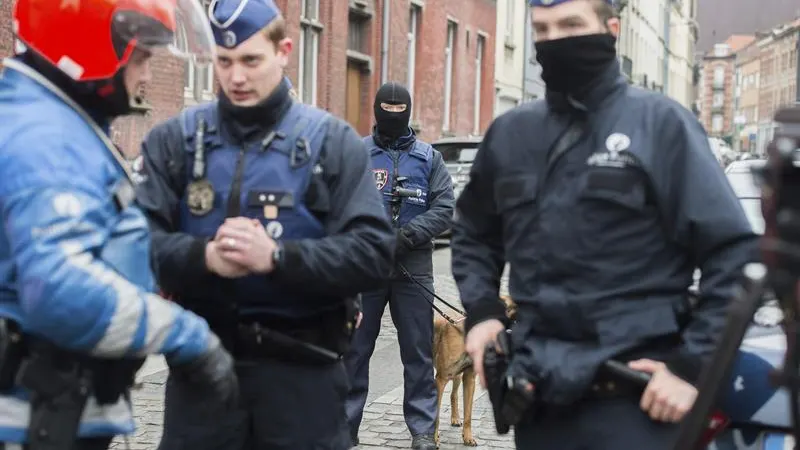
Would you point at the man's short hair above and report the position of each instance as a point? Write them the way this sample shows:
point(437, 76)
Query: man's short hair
point(604, 11)
point(276, 30)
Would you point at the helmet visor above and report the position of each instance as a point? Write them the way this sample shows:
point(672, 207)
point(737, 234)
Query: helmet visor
point(180, 25)
point(193, 36)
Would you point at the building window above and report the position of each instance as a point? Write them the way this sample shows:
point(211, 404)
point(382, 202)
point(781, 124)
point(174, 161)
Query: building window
point(718, 99)
point(716, 123)
point(478, 82)
point(413, 32)
point(310, 30)
point(198, 80)
point(719, 76)
point(510, 10)
point(448, 72)
point(357, 32)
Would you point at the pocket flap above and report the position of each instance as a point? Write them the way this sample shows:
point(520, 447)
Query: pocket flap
point(515, 190)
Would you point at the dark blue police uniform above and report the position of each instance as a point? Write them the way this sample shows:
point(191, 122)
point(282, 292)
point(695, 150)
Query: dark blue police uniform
point(400, 160)
point(306, 177)
point(603, 199)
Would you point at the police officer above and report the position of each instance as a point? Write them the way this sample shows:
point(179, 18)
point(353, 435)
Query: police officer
point(418, 195)
point(78, 313)
point(603, 198)
point(266, 221)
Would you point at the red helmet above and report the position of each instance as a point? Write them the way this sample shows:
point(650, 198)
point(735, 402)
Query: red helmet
point(92, 39)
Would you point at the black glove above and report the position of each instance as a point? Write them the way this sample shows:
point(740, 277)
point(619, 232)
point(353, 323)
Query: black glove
point(212, 372)
point(403, 246)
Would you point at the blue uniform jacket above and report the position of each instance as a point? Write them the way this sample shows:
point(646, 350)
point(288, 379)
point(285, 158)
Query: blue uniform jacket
point(74, 254)
point(353, 256)
point(603, 240)
point(422, 218)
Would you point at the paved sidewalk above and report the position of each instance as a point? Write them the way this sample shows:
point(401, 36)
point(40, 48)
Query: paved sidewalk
point(383, 425)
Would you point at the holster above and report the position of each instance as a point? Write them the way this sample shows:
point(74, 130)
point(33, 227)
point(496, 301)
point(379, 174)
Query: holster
point(510, 397)
point(58, 390)
point(59, 383)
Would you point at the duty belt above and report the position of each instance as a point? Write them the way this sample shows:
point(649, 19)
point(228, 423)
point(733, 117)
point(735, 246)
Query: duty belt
point(256, 341)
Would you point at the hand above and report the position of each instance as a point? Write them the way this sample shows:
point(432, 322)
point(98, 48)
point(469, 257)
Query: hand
point(667, 398)
point(477, 338)
point(403, 245)
point(212, 372)
point(245, 242)
point(358, 319)
point(220, 266)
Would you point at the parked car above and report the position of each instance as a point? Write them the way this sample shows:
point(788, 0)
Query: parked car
point(459, 154)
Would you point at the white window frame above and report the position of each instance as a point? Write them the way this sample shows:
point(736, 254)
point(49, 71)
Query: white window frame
point(480, 45)
point(717, 99)
point(195, 74)
point(717, 126)
point(510, 21)
point(309, 27)
point(414, 14)
point(452, 30)
point(719, 75)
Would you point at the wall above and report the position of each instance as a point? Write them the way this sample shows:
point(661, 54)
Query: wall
point(642, 40)
point(166, 92)
point(746, 99)
point(510, 54)
point(708, 110)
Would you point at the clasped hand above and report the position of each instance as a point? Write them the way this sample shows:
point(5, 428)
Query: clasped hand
point(240, 247)
point(667, 397)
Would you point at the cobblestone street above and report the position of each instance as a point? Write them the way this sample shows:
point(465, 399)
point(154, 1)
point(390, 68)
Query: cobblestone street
point(383, 425)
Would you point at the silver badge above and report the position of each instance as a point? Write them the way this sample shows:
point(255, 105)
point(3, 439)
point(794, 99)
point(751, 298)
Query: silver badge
point(200, 197)
point(274, 229)
point(229, 38)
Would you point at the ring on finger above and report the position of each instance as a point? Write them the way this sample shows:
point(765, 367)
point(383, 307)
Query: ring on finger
point(230, 242)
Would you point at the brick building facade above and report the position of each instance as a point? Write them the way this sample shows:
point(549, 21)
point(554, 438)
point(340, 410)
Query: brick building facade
point(717, 86)
point(444, 50)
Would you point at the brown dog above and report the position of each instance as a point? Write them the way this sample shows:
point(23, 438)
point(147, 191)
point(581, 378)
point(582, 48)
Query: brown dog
point(452, 363)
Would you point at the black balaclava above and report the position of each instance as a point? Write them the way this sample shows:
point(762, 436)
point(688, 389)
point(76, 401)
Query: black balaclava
point(570, 65)
point(392, 125)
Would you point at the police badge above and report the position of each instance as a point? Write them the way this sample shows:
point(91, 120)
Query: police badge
point(200, 197)
point(381, 177)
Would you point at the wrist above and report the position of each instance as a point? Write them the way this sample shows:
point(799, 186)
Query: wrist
point(209, 257)
point(277, 257)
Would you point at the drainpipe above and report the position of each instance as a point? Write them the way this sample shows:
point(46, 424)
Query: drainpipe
point(527, 56)
point(385, 25)
point(797, 85)
point(667, 51)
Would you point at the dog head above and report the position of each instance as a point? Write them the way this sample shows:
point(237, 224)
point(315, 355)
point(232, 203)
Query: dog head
point(511, 307)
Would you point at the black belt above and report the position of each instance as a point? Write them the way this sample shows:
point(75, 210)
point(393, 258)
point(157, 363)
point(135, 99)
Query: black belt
point(254, 341)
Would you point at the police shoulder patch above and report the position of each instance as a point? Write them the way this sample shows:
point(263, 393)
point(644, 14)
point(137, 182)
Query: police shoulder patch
point(381, 177)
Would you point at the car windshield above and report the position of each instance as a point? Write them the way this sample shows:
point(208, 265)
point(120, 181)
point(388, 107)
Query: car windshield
point(458, 153)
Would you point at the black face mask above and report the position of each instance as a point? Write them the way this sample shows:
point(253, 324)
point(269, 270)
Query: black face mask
point(570, 65)
point(390, 124)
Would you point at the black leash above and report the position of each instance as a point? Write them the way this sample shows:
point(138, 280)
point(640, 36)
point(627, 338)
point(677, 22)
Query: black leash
point(408, 275)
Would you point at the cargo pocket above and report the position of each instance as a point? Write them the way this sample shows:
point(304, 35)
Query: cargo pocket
point(620, 327)
point(612, 192)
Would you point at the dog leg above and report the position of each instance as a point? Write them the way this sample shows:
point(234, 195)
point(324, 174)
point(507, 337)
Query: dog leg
point(469, 395)
point(454, 419)
point(441, 382)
